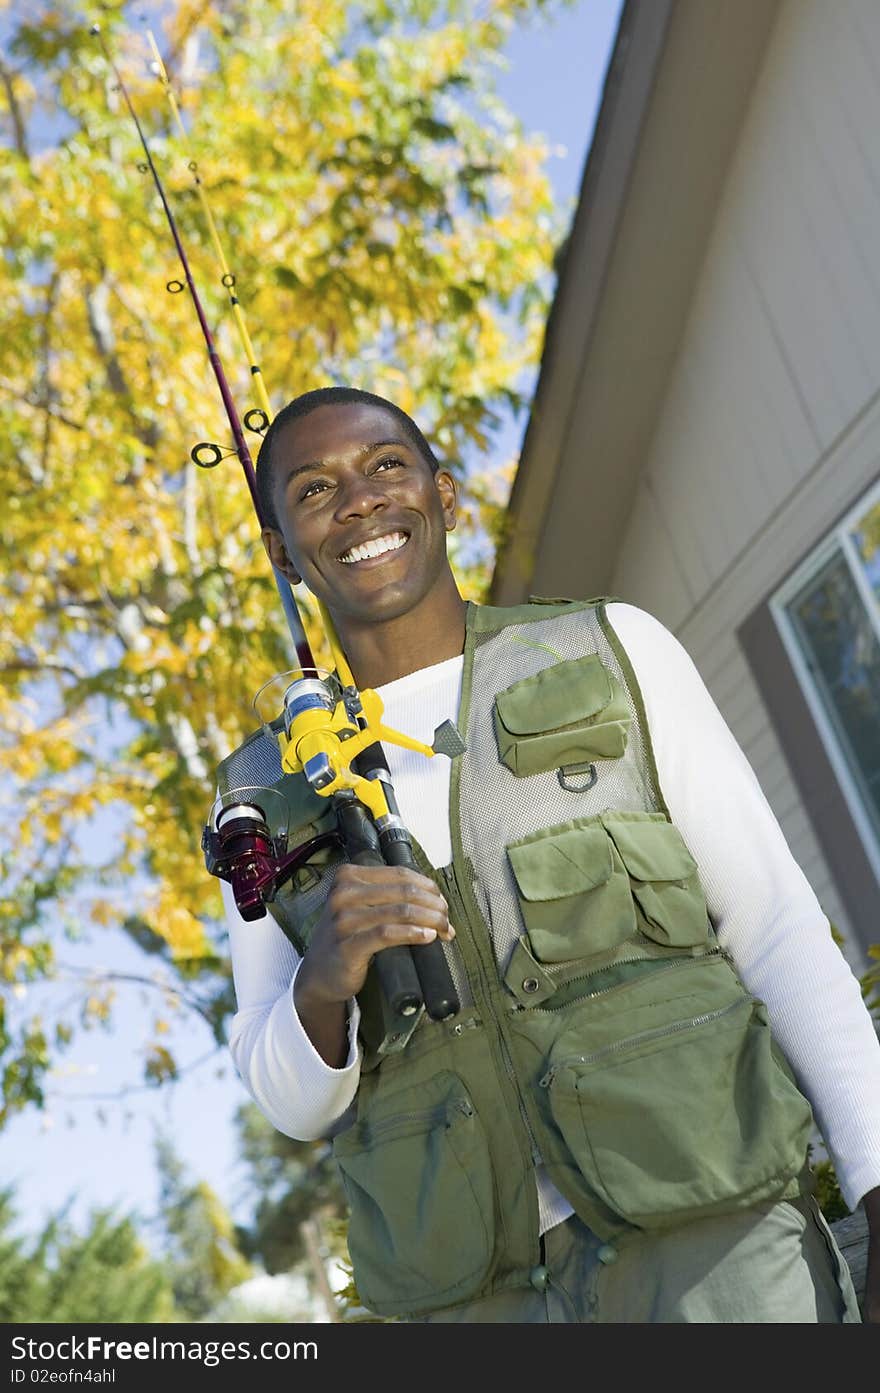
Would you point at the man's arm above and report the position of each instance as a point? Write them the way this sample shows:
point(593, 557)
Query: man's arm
point(294, 1086)
point(288, 1037)
point(765, 913)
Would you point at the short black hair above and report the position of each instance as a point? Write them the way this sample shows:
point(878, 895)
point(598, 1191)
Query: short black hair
point(310, 401)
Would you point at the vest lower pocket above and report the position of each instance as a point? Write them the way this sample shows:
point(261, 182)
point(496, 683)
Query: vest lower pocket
point(691, 1115)
point(418, 1179)
point(573, 890)
point(567, 714)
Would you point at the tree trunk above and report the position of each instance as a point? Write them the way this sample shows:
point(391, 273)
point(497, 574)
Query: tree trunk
point(310, 1231)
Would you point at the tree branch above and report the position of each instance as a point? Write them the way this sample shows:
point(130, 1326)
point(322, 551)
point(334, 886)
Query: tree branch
point(101, 329)
point(45, 393)
point(38, 405)
point(43, 665)
point(136, 979)
point(7, 77)
point(128, 1089)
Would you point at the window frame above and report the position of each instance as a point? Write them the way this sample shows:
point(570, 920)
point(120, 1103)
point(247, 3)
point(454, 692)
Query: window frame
point(837, 541)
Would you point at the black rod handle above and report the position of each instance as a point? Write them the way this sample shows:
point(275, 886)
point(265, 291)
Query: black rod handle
point(394, 966)
point(432, 969)
point(438, 988)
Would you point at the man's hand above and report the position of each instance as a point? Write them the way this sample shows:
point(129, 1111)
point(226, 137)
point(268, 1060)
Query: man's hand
point(871, 1303)
point(369, 908)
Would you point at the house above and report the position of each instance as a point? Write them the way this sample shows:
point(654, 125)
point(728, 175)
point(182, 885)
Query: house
point(705, 436)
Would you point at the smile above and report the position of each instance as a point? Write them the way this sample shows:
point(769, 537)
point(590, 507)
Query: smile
point(377, 546)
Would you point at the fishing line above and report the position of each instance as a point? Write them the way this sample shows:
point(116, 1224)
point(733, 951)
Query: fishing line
point(294, 622)
point(228, 281)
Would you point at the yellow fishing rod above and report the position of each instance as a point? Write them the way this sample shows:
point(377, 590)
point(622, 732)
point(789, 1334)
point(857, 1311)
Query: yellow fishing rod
point(333, 738)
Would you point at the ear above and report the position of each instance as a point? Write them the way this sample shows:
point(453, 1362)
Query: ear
point(277, 554)
point(447, 488)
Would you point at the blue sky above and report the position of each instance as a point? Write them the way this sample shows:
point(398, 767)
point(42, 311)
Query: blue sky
point(95, 1142)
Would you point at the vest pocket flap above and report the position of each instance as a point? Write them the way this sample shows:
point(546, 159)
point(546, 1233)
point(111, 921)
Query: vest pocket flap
point(559, 862)
point(571, 713)
point(308, 812)
point(663, 876)
point(651, 849)
point(559, 696)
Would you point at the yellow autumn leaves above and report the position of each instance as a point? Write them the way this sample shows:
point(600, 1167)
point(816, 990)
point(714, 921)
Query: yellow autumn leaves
point(388, 226)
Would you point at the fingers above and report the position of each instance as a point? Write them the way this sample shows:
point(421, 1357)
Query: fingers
point(401, 922)
point(369, 908)
point(378, 884)
point(406, 924)
point(389, 895)
point(368, 942)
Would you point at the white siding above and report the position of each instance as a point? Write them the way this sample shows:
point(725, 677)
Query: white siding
point(771, 425)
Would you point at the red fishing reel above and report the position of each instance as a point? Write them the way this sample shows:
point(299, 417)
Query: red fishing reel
point(241, 847)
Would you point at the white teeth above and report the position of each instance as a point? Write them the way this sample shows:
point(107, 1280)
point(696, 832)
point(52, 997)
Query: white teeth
point(393, 542)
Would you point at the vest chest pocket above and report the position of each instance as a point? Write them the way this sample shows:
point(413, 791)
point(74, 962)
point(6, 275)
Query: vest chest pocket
point(573, 890)
point(581, 883)
point(418, 1179)
point(570, 713)
point(663, 876)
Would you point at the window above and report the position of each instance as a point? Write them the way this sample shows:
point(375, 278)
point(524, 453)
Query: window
point(828, 615)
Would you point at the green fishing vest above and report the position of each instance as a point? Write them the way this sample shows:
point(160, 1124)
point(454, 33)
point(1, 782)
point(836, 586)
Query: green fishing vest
point(602, 1029)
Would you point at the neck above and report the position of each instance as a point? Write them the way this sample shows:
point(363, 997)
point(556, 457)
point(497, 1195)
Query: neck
point(429, 633)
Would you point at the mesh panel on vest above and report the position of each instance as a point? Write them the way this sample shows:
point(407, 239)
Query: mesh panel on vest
point(257, 763)
point(497, 806)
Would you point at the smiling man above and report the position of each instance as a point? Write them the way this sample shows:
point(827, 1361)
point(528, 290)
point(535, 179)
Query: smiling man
point(360, 509)
point(654, 1015)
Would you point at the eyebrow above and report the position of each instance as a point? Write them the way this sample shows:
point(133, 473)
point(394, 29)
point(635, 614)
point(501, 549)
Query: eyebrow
point(361, 454)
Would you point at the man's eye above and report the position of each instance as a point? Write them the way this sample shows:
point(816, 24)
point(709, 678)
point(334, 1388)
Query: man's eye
point(392, 461)
point(315, 487)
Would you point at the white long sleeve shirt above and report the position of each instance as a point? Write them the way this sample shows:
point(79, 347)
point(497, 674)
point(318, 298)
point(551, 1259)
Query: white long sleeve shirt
point(764, 912)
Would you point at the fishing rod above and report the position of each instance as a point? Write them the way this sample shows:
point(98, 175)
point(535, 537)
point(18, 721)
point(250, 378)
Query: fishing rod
point(315, 723)
point(297, 631)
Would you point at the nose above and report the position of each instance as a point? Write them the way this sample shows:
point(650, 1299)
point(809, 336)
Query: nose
point(359, 496)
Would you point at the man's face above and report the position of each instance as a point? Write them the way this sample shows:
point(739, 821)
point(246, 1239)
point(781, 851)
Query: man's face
point(363, 519)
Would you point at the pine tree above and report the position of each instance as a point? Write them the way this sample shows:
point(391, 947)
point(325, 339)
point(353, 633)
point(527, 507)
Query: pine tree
point(103, 1274)
point(200, 1240)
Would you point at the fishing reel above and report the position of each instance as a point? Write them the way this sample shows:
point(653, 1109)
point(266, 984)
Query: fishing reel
point(320, 729)
point(241, 848)
point(323, 727)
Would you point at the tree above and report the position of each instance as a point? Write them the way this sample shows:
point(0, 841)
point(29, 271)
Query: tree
point(103, 1274)
point(290, 1181)
point(204, 1260)
point(389, 225)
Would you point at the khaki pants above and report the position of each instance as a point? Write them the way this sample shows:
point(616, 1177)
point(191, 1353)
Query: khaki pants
point(773, 1263)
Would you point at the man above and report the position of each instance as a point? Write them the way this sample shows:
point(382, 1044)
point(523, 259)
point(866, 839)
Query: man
point(610, 1128)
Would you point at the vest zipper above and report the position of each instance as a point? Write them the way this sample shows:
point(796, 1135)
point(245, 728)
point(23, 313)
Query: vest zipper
point(478, 928)
point(658, 1033)
point(451, 884)
point(437, 1114)
point(621, 962)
